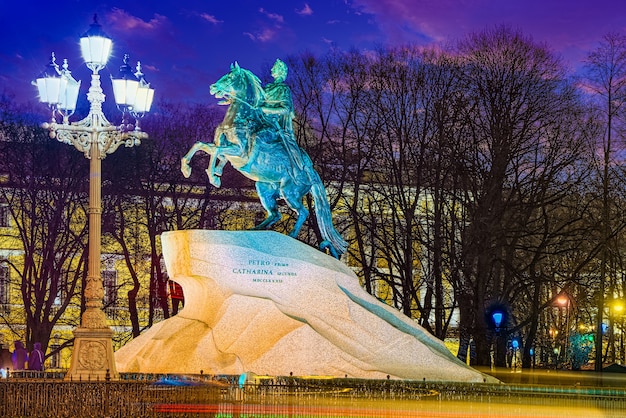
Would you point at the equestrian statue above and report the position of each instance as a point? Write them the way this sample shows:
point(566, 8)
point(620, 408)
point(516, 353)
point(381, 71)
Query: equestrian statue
point(257, 138)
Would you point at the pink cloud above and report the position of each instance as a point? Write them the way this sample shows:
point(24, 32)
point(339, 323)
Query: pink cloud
point(150, 68)
point(210, 18)
point(268, 32)
point(263, 35)
point(305, 11)
point(435, 20)
point(273, 16)
point(122, 21)
point(570, 28)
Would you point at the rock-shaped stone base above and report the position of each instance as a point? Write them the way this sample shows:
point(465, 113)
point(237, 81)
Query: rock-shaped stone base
point(262, 302)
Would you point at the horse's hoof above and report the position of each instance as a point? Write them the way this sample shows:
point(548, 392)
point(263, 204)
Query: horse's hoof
point(326, 245)
point(215, 181)
point(186, 170)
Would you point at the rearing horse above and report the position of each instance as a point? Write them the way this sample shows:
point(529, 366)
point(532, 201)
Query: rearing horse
point(252, 143)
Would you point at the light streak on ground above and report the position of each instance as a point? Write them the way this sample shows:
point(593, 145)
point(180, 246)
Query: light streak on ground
point(391, 409)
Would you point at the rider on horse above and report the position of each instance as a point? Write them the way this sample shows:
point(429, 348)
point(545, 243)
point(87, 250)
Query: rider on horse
point(256, 137)
point(278, 107)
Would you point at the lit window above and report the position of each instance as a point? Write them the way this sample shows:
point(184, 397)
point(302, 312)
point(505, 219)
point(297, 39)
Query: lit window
point(109, 280)
point(4, 284)
point(55, 349)
point(5, 215)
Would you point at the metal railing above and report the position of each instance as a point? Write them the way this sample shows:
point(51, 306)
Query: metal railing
point(221, 396)
point(58, 398)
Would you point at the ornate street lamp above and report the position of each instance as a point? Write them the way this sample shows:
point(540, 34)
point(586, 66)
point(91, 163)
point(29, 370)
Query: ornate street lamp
point(96, 137)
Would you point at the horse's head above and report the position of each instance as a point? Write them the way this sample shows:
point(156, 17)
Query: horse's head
point(238, 85)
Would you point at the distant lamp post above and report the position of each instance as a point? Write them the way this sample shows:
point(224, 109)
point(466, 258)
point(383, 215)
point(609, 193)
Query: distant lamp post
point(515, 344)
point(96, 137)
point(497, 318)
point(563, 302)
point(616, 309)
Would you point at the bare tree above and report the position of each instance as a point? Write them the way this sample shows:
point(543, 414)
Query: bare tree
point(382, 128)
point(44, 191)
point(606, 79)
point(337, 126)
point(147, 195)
point(522, 149)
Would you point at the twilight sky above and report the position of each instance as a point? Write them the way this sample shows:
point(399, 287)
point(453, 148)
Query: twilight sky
point(186, 45)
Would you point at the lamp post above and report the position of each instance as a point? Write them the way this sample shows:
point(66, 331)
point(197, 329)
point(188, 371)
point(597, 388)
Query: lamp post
point(563, 302)
point(95, 136)
point(515, 346)
point(616, 310)
point(497, 316)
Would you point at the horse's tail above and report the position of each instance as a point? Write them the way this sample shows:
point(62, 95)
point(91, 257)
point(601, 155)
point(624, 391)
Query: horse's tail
point(322, 213)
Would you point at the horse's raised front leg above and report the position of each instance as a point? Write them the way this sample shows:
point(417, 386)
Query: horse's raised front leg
point(198, 146)
point(219, 158)
point(214, 171)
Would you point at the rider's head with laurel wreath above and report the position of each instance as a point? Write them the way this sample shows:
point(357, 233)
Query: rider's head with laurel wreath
point(279, 71)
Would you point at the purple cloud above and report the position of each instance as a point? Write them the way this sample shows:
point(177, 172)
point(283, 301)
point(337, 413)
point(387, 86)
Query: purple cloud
point(210, 18)
point(263, 35)
point(121, 21)
point(189, 48)
point(305, 11)
point(273, 16)
point(570, 28)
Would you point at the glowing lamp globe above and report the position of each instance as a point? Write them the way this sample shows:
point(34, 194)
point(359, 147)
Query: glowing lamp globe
point(143, 101)
point(95, 46)
point(67, 105)
point(125, 87)
point(58, 89)
point(145, 94)
point(497, 318)
point(50, 85)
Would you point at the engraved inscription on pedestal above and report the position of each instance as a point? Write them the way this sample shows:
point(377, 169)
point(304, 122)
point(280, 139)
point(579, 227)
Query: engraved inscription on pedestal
point(264, 271)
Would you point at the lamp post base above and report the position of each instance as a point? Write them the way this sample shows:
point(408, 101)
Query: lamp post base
point(92, 358)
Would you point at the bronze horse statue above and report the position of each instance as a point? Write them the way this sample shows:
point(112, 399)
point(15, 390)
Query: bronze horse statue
point(253, 145)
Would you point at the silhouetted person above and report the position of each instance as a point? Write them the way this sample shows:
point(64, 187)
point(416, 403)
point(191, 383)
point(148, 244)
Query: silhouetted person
point(20, 356)
point(35, 358)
